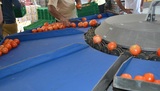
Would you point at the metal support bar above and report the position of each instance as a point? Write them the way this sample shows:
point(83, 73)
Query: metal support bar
point(151, 12)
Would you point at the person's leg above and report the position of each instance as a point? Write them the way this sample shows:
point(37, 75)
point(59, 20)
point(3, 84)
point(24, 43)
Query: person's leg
point(1, 36)
point(101, 8)
point(9, 29)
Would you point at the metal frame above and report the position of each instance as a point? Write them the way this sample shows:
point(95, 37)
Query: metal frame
point(151, 12)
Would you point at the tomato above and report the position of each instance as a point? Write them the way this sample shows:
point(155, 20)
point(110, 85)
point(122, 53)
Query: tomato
point(126, 75)
point(73, 25)
point(5, 41)
point(111, 46)
point(4, 50)
point(80, 24)
point(17, 41)
point(8, 46)
point(39, 30)
point(61, 26)
point(139, 78)
point(13, 44)
point(85, 24)
point(97, 39)
point(34, 31)
point(10, 40)
point(84, 18)
point(149, 77)
point(158, 52)
point(0, 53)
point(135, 50)
point(50, 27)
point(1, 46)
point(93, 22)
point(54, 27)
point(79, 6)
point(99, 16)
point(46, 24)
point(157, 81)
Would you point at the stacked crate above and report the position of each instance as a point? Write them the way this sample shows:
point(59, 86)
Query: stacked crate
point(88, 9)
point(43, 16)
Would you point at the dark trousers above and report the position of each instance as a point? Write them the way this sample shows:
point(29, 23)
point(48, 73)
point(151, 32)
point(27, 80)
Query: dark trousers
point(101, 8)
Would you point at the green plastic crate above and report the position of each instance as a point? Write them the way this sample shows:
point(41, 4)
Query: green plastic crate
point(37, 24)
point(43, 13)
point(88, 9)
point(19, 12)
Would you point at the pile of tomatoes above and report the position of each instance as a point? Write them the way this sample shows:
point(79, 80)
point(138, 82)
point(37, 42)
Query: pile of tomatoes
point(58, 25)
point(147, 77)
point(8, 45)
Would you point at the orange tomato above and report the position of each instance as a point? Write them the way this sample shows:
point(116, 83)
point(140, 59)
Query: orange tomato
point(0, 53)
point(39, 30)
point(17, 41)
point(10, 40)
point(4, 50)
point(84, 18)
point(85, 24)
point(50, 27)
point(93, 22)
point(97, 39)
point(1, 46)
point(158, 52)
point(126, 75)
point(13, 44)
point(5, 41)
point(46, 24)
point(8, 46)
point(54, 27)
point(34, 31)
point(111, 46)
point(79, 6)
point(80, 24)
point(149, 77)
point(157, 81)
point(135, 50)
point(99, 16)
point(73, 25)
point(139, 78)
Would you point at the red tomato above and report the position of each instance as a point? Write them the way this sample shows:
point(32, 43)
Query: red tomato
point(139, 78)
point(85, 24)
point(0, 53)
point(99, 16)
point(4, 50)
point(13, 44)
point(17, 41)
point(157, 81)
point(158, 52)
point(5, 41)
point(50, 27)
point(135, 50)
point(84, 18)
point(93, 22)
point(8, 46)
point(10, 40)
point(97, 39)
point(80, 24)
point(73, 25)
point(111, 46)
point(46, 24)
point(39, 29)
point(54, 27)
point(1, 46)
point(149, 77)
point(34, 31)
point(126, 75)
point(79, 6)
